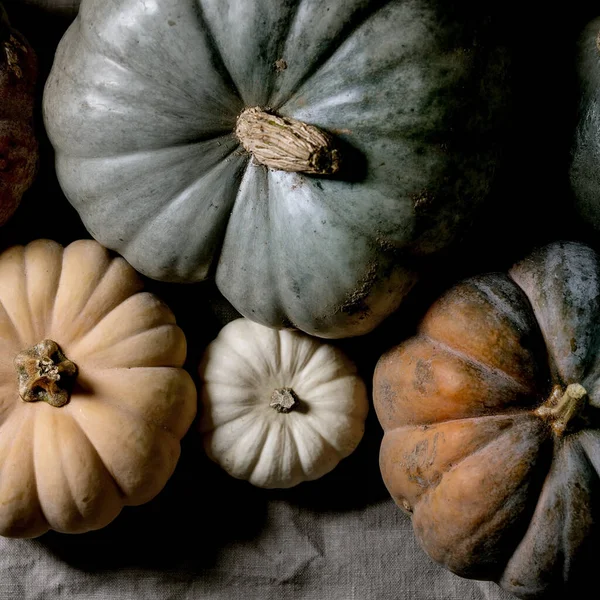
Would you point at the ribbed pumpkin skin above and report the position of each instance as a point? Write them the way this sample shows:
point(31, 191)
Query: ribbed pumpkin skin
point(585, 165)
point(495, 493)
point(18, 145)
point(116, 442)
point(251, 440)
point(141, 106)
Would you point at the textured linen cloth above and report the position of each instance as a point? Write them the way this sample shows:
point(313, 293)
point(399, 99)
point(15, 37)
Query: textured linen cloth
point(207, 535)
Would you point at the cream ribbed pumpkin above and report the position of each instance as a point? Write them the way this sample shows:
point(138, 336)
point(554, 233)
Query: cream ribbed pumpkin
point(93, 399)
point(279, 407)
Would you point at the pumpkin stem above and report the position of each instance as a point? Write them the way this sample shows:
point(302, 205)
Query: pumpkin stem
point(286, 144)
point(562, 407)
point(46, 374)
point(283, 400)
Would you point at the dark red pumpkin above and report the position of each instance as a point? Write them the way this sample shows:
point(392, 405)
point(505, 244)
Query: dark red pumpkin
point(491, 424)
point(18, 145)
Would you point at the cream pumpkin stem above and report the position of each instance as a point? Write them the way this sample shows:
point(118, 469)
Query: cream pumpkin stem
point(45, 374)
point(287, 144)
point(562, 407)
point(284, 400)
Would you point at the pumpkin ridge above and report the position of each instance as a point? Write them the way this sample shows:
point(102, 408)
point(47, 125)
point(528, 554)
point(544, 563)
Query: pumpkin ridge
point(332, 46)
point(252, 420)
point(138, 494)
point(563, 261)
point(166, 318)
point(208, 424)
point(259, 441)
point(36, 470)
point(592, 468)
point(51, 292)
point(291, 20)
point(500, 305)
point(274, 266)
point(67, 479)
point(504, 415)
point(584, 438)
point(309, 357)
point(518, 386)
point(113, 403)
point(308, 354)
point(231, 349)
point(269, 430)
point(120, 154)
point(316, 425)
point(25, 422)
point(7, 408)
point(319, 434)
point(26, 301)
point(226, 384)
point(553, 497)
point(489, 516)
point(120, 491)
point(11, 252)
point(314, 394)
point(104, 53)
point(9, 319)
point(217, 54)
point(180, 196)
point(182, 380)
point(459, 459)
point(98, 259)
point(143, 330)
point(86, 303)
point(294, 442)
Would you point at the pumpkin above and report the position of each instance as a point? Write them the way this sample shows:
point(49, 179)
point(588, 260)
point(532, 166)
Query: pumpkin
point(585, 172)
point(18, 145)
point(93, 399)
point(490, 415)
point(307, 156)
point(278, 407)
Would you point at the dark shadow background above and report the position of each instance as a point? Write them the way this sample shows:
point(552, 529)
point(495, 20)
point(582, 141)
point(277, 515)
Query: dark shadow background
point(530, 205)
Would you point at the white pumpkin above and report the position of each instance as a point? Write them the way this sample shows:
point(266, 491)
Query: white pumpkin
point(279, 407)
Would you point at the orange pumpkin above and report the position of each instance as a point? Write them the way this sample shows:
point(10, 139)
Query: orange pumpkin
point(491, 422)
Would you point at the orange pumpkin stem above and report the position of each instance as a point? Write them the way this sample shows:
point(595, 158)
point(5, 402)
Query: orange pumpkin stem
point(562, 407)
point(45, 374)
point(284, 400)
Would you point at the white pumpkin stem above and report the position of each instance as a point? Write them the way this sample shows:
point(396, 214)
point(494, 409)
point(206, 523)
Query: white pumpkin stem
point(45, 374)
point(286, 144)
point(562, 407)
point(284, 400)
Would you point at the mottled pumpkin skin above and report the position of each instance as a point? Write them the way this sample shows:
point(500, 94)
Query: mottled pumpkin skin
point(494, 491)
point(585, 169)
point(18, 145)
point(142, 102)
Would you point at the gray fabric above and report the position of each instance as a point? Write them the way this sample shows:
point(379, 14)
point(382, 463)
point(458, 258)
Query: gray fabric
point(206, 535)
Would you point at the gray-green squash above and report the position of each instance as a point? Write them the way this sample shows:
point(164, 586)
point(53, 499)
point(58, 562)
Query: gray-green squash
point(585, 163)
point(142, 107)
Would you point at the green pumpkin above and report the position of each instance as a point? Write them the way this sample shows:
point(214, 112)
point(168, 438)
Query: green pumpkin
point(585, 165)
point(147, 106)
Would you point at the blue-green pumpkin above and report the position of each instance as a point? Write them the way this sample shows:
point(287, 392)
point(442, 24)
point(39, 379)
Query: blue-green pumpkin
point(376, 132)
point(585, 158)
